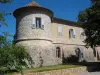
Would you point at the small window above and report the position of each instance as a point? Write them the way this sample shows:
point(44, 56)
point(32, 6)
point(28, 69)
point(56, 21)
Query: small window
point(79, 52)
point(38, 22)
point(58, 52)
point(71, 33)
point(82, 35)
point(59, 30)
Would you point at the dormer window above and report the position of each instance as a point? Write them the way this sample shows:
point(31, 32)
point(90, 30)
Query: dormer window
point(38, 22)
point(71, 33)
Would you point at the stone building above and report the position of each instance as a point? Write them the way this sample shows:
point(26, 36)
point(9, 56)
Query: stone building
point(48, 39)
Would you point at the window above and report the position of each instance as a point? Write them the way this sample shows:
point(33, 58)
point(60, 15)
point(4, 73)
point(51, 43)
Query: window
point(79, 54)
point(82, 35)
point(38, 22)
point(33, 24)
point(71, 33)
point(59, 30)
point(58, 52)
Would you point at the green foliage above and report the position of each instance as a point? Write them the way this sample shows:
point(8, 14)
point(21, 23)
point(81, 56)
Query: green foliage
point(90, 21)
point(13, 57)
point(95, 1)
point(2, 19)
point(3, 14)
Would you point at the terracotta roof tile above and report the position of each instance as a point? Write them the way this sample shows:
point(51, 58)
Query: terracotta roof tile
point(32, 4)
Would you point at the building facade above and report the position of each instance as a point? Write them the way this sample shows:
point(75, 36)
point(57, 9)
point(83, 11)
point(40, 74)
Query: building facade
point(49, 40)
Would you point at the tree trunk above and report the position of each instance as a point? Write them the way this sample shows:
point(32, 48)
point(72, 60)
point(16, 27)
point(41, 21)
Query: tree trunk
point(95, 53)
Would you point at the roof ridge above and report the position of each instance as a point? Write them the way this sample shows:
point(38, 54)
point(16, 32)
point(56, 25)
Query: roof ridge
point(33, 3)
point(64, 19)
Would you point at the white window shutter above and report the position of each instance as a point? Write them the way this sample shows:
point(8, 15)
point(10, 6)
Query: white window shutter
point(42, 27)
point(42, 23)
point(33, 23)
point(74, 32)
point(59, 30)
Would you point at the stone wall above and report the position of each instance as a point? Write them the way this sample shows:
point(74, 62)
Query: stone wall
point(64, 38)
point(25, 28)
point(41, 43)
point(40, 50)
point(37, 41)
point(70, 50)
point(70, 71)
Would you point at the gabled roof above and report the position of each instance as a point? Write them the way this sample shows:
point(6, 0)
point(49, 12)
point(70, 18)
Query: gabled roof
point(32, 4)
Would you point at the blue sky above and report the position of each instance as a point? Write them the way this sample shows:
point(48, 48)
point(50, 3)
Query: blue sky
point(65, 9)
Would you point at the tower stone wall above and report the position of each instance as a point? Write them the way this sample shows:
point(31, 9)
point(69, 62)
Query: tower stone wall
point(26, 30)
point(37, 41)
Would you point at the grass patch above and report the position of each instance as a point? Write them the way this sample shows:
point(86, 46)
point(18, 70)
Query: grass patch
point(45, 68)
point(49, 68)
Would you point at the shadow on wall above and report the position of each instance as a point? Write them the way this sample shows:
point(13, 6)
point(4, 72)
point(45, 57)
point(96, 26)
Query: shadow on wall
point(74, 60)
point(70, 59)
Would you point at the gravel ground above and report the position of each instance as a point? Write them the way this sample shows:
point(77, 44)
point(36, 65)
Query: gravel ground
point(90, 73)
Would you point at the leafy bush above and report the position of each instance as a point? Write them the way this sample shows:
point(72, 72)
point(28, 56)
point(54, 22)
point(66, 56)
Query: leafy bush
point(13, 57)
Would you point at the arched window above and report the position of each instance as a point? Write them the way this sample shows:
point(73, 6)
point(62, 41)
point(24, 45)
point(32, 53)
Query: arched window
point(79, 54)
point(71, 33)
point(58, 52)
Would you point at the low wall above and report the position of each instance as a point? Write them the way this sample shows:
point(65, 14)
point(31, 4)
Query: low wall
point(70, 71)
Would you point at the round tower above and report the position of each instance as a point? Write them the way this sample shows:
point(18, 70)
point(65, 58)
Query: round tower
point(33, 30)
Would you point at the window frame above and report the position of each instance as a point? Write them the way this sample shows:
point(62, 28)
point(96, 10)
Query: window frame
point(82, 36)
point(60, 30)
point(71, 33)
point(58, 52)
point(40, 22)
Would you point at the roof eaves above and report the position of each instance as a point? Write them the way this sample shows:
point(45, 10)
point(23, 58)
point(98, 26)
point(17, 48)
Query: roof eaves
point(66, 22)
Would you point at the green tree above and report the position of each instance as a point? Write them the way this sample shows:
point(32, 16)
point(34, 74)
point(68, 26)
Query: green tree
point(13, 57)
point(90, 21)
point(3, 14)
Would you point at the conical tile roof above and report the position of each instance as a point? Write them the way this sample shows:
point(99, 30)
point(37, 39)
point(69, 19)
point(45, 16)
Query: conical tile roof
point(32, 4)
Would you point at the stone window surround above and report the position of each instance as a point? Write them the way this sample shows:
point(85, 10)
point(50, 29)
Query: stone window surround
point(72, 34)
point(38, 22)
point(59, 30)
point(82, 35)
point(34, 26)
point(58, 52)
